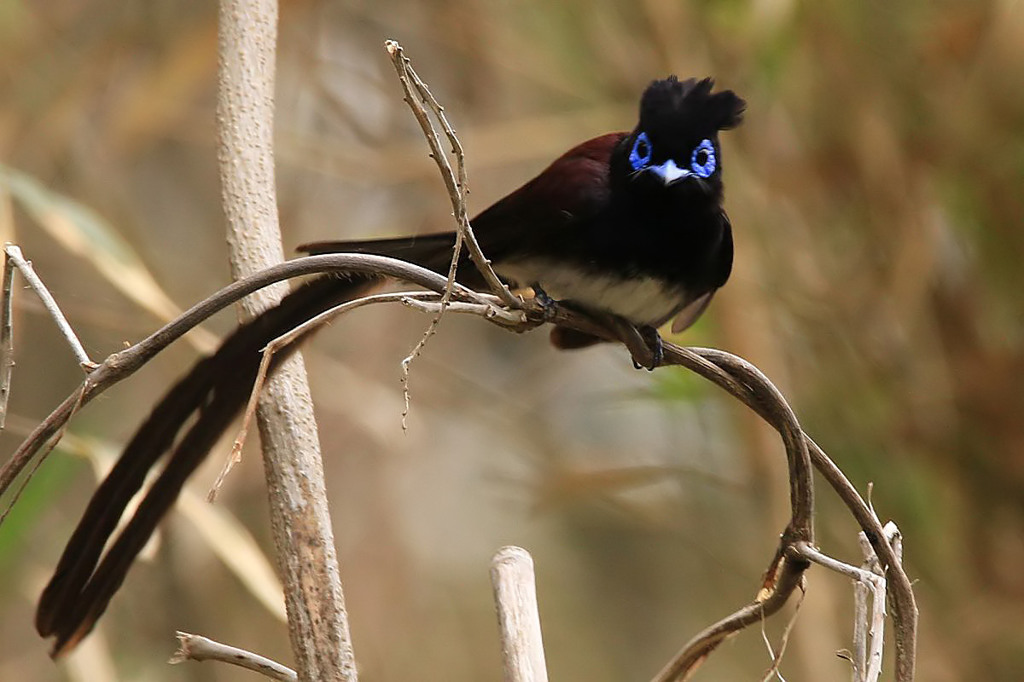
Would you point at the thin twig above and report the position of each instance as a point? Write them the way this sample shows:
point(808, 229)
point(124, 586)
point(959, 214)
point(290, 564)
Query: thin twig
point(235, 456)
point(282, 342)
point(6, 338)
point(423, 301)
point(876, 584)
point(455, 186)
point(47, 446)
point(15, 256)
point(773, 669)
point(457, 189)
point(456, 193)
point(199, 648)
point(488, 311)
point(415, 353)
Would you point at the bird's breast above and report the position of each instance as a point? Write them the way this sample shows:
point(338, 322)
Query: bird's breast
point(641, 299)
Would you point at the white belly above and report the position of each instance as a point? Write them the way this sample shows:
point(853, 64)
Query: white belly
point(641, 301)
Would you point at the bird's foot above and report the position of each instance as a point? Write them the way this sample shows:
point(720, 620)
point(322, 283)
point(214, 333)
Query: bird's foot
point(548, 305)
point(655, 349)
point(643, 342)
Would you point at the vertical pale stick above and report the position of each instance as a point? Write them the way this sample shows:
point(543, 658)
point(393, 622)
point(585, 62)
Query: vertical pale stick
point(515, 595)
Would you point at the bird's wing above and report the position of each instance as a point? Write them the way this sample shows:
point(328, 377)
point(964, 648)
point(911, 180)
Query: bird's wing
point(568, 192)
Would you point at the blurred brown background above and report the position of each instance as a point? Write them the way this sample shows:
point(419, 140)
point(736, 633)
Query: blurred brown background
point(876, 196)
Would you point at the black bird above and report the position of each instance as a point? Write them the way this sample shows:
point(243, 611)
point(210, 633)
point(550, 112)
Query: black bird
point(628, 226)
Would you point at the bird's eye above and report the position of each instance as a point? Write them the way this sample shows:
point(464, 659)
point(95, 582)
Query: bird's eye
point(641, 154)
point(702, 162)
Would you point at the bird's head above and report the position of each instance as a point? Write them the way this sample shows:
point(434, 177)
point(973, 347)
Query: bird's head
point(675, 144)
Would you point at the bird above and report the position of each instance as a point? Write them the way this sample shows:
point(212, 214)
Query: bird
point(627, 226)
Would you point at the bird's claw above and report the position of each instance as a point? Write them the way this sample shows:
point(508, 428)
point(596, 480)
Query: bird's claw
point(642, 341)
point(548, 305)
point(652, 353)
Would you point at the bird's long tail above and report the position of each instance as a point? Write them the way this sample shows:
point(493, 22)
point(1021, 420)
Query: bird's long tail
point(213, 392)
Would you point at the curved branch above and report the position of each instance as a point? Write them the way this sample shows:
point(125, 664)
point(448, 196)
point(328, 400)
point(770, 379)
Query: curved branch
point(900, 590)
point(124, 363)
point(745, 382)
point(697, 649)
point(736, 376)
point(456, 186)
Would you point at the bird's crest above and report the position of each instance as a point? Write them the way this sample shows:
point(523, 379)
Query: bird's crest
point(689, 105)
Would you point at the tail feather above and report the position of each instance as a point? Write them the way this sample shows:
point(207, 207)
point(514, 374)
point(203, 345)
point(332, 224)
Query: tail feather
point(82, 551)
point(215, 390)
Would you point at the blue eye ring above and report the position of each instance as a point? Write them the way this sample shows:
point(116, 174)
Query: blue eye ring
point(705, 169)
point(641, 153)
